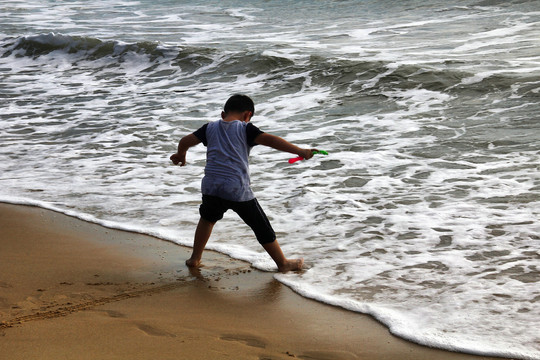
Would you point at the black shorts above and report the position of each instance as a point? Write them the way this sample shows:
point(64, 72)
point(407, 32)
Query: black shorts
point(213, 208)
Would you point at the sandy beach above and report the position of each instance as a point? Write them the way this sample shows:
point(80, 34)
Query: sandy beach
point(75, 290)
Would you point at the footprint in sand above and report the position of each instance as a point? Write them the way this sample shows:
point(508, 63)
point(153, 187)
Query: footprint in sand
point(113, 313)
point(152, 331)
point(249, 340)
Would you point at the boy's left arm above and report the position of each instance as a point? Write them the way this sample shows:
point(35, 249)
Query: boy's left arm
point(185, 143)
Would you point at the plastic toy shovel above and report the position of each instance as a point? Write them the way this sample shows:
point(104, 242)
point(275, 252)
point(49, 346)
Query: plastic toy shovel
point(293, 160)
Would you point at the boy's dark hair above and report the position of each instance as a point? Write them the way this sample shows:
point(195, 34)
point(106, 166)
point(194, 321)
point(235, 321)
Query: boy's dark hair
point(239, 103)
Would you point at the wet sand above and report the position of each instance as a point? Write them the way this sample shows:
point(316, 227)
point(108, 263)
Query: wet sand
point(76, 290)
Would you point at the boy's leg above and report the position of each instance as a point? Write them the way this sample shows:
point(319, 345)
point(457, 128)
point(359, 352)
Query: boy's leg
point(211, 208)
point(274, 250)
point(202, 234)
point(254, 216)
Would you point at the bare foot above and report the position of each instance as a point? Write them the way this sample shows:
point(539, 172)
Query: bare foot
point(291, 265)
point(193, 263)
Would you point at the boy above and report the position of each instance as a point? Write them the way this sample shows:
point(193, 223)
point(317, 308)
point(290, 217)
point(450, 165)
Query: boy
point(226, 183)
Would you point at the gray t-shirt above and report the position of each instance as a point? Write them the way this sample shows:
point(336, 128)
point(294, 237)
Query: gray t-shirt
point(228, 143)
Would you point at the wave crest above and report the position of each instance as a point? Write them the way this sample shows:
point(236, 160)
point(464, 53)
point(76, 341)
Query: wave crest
point(353, 77)
point(92, 48)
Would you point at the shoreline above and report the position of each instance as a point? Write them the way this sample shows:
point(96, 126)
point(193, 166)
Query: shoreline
point(70, 288)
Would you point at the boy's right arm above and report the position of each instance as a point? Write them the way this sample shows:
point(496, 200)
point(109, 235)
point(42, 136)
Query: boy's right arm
point(281, 144)
point(185, 143)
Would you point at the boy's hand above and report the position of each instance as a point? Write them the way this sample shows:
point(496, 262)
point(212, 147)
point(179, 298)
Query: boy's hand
point(183, 146)
point(178, 159)
point(307, 153)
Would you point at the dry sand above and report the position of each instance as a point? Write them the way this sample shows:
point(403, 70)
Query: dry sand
point(74, 290)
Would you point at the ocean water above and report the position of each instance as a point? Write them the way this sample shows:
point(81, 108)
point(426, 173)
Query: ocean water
point(425, 212)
